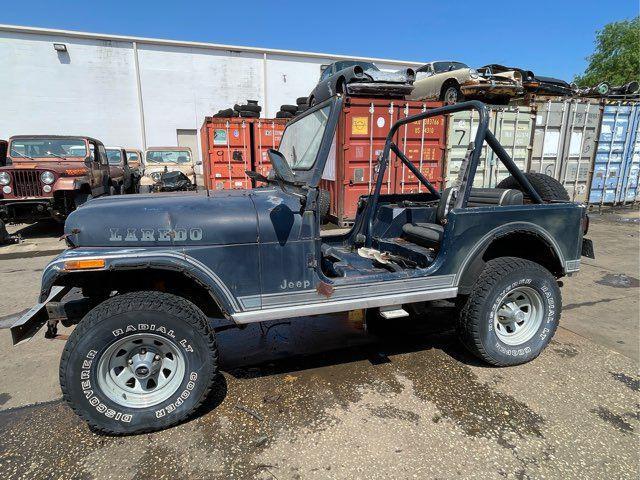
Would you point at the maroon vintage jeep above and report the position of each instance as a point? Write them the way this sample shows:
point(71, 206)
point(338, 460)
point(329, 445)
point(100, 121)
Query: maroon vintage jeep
point(48, 176)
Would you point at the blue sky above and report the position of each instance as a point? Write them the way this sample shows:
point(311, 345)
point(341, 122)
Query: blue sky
point(549, 37)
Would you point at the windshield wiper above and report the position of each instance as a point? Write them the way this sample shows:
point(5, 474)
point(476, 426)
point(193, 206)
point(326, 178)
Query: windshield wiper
point(56, 155)
point(22, 155)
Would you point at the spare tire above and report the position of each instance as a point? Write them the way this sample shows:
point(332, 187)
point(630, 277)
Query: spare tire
point(282, 114)
point(324, 201)
point(302, 100)
point(289, 108)
point(548, 187)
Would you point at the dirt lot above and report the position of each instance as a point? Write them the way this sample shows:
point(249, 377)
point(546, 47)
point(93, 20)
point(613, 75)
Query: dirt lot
point(321, 398)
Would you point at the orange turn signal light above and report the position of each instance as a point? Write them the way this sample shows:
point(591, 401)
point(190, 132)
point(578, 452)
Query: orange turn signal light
point(84, 264)
point(76, 172)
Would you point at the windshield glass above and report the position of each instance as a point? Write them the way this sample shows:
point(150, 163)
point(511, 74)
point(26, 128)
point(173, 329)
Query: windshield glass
point(133, 156)
point(448, 66)
point(48, 148)
point(114, 156)
point(350, 63)
point(301, 140)
point(168, 156)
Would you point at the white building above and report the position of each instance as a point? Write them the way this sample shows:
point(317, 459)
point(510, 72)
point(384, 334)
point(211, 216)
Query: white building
point(140, 92)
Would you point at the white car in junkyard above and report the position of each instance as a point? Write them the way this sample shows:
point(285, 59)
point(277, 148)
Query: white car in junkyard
point(452, 82)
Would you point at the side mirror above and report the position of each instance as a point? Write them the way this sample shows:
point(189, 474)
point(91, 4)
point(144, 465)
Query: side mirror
point(280, 165)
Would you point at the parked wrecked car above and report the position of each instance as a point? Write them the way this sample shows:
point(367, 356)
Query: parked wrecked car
point(134, 159)
point(122, 175)
point(50, 176)
point(452, 82)
point(168, 169)
point(531, 82)
point(158, 274)
point(361, 78)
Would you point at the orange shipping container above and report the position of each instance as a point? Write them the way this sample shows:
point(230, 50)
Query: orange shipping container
point(267, 134)
point(226, 152)
point(362, 130)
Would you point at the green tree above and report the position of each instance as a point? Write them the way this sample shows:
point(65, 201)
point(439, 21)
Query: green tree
point(616, 59)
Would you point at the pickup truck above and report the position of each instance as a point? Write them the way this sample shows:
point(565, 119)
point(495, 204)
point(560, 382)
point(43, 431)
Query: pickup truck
point(157, 270)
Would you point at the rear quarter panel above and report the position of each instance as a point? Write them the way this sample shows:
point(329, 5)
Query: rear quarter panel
point(469, 231)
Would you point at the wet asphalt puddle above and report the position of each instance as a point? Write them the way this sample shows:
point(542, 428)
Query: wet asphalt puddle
point(289, 381)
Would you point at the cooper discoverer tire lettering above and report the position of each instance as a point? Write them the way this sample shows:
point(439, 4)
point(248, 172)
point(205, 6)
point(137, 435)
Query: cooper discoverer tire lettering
point(139, 362)
point(512, 312)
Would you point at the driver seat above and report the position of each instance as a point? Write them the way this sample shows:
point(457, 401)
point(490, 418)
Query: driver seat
point(430, 234)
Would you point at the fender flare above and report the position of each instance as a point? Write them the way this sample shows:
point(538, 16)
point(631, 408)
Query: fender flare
point(473, 262)
point(170, 261)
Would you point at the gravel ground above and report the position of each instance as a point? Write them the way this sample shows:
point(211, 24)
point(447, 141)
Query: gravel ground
point(321, 398)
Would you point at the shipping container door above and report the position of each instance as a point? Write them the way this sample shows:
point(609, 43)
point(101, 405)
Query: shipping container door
point(614, 141)
point(364, 125)
point(564, 142)
point(631, 172)
point(230, 153)
point(422, 142)
point(579, 147)
point(267, 134)
point(460, 133)
point(546, 152)
point(513, 127)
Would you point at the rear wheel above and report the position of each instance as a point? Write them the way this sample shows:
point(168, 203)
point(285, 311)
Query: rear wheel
point(512, 312)
point(139, 362)
point(547, 187)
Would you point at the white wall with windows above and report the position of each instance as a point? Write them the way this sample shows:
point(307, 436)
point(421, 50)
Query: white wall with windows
point(130, 91)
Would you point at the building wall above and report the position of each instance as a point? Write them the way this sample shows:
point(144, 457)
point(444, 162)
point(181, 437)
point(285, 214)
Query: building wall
point(92, 88)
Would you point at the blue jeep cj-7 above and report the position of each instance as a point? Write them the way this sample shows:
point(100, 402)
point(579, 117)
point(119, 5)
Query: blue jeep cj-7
point(155, 269)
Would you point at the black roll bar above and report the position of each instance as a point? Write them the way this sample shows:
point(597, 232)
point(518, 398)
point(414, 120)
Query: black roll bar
point(482, 134)
point(415, 170)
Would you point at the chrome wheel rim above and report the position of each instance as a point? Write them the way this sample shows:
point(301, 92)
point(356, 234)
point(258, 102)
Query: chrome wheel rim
point(518, 316)
point(141, 370)
point(451, 95)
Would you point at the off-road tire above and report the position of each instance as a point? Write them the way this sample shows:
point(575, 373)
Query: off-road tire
point(547, 187)
point(282, 114)
point(324, 201)
point(302, 100)
point(475, 325)
point(289, 108)
point(164, 315)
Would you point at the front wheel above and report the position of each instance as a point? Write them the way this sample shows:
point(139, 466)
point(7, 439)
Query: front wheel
point(512, 312)
point(451, 94)
point(139, 362)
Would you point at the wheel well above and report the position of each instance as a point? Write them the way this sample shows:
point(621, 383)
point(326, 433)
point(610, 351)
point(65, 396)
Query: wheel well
point(522, 244)
point(449, 82)
point(157, 279)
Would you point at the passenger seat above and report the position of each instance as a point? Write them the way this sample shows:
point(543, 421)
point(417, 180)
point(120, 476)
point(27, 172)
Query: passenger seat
point(430, 234)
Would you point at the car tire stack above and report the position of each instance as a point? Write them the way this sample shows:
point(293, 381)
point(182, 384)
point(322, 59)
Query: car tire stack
point(302, 103)
point(250, 110)
point(287, 111)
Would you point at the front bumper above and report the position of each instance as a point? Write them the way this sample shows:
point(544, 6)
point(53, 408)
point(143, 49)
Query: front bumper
point(382, 89)
point(490, 90)
point(19, 210)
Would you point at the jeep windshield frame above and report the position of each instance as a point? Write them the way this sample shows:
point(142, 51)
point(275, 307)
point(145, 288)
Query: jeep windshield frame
point(309, 173)
point(465, 180)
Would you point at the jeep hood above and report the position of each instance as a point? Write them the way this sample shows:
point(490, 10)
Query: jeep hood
point(165, 220)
